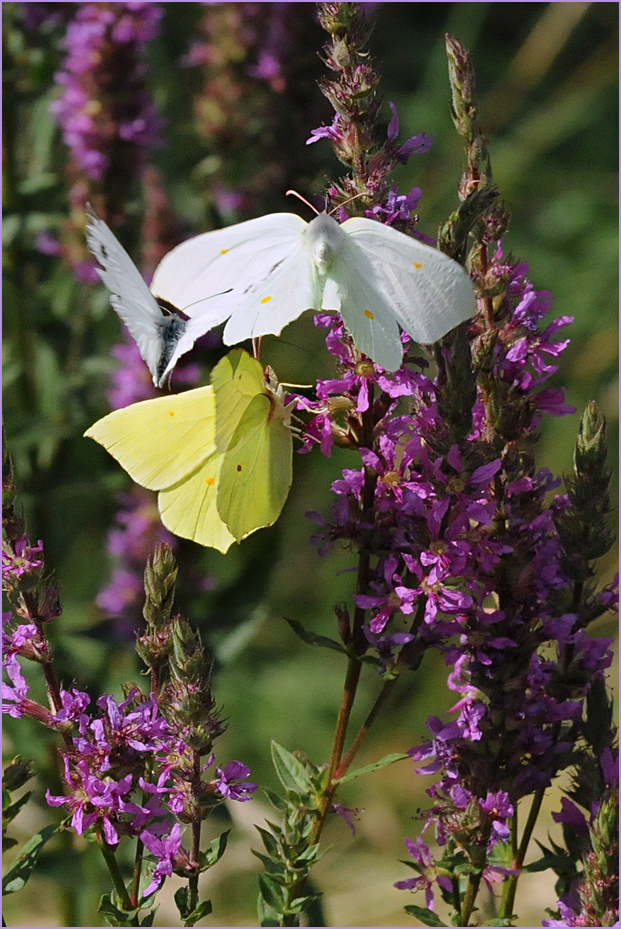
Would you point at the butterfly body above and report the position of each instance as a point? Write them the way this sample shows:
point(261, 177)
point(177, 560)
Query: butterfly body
point(324, 239)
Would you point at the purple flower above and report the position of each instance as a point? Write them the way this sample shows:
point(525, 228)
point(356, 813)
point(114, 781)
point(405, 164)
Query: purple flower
point(229, 781)
point(165, 850)
point(347, 814)
point(74, 703)
point(139, 530)
point(19, 559)
point(388, 646)
point(416, 145)
point(331, 132)
point(430, 874)
point(94, 800)
point(13, 697)
point(47, 244)
point(396, 206)
point(499, 808)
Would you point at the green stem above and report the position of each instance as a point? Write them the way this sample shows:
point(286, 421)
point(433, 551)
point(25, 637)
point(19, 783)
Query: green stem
point(478, 857)
point(135, 891)
point(196, 841)
point(381, 699)
point(115, 873)
point(510, 888)
point(358, 640)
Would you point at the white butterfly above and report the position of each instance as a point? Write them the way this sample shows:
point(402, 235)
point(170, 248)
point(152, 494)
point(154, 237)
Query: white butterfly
point(277, 266)
point(162, 336)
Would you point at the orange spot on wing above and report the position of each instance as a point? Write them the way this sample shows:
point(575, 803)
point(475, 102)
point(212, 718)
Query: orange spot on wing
point(418, 265)
point(210, 481)
point(171, 413)
point(223, 251)
point(369, 314)
point(266, 299)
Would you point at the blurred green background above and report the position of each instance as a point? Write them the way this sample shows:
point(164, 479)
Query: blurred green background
point(547, 84)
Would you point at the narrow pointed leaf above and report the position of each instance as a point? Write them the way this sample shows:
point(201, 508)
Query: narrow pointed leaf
point(215, 851)
point(267, 915)
point(24, 864)
point(427, 917)
point(269, 841)
point(203, 909)
point(311, 638)
point(272, 892)
point(291, 772)
point(375, 766)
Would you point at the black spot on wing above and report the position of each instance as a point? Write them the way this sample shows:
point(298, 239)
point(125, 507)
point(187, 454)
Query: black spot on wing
point(267, 274)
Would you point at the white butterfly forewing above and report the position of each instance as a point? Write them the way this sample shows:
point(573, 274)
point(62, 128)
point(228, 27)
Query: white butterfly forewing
point(161, 339)
point(256, 268)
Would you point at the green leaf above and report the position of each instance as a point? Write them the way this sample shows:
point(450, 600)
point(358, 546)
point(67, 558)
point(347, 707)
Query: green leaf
point(203, 909)
point(114, 915)
point(272, 892)
point(427, 917)
point(315, 915)
point(311, 638)
point(11, 811)
point(553, 862)
point(215, 851)
point(291, 772)
point(300, 904)
point(272, 867)
point(18, 771)
point(269, 841)
point(311, 853)
point(371, 660)
point(181, 899)
point(148, 920)
point(22, 867)
point(278, 802)
point(267, 915)
point(375, 766)
point(507, 921)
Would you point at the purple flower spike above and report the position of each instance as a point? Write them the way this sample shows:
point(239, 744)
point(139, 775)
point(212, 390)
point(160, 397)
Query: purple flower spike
point(105, 45)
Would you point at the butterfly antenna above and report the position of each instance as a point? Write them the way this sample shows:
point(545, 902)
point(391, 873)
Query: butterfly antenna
point(294, 193)
point(220, 293)
point(256, 347)
point(349, 199)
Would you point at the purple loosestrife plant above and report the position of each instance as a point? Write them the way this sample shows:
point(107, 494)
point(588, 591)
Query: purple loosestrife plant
point(250, 56)
point(461, 547)
point(107, 116)
point(462, 544)
point(104, 101)
point(138, 771)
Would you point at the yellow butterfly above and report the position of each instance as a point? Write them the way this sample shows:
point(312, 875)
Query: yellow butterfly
point(220, 456)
